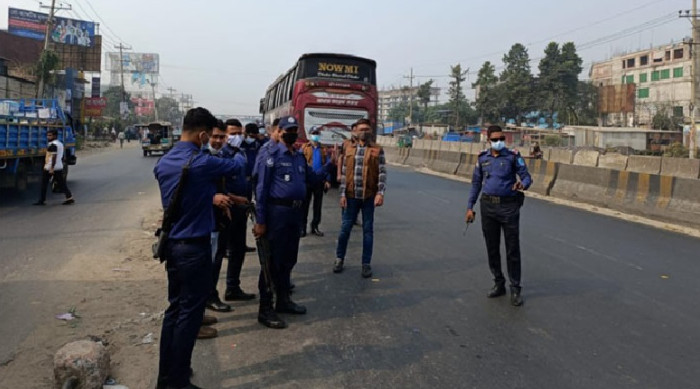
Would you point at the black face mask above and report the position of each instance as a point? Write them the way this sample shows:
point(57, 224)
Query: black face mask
point(290, 137)
point(364, 136)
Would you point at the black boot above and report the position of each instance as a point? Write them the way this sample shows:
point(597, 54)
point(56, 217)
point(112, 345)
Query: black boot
point(498, 290)
point(268, 317)
point(516, 299)
point(286, 305)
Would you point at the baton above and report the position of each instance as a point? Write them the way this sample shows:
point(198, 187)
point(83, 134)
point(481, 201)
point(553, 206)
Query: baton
point(467, 226)
point(263, 246)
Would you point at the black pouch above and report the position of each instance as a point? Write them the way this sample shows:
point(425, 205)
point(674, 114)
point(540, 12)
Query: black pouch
point(521, 198)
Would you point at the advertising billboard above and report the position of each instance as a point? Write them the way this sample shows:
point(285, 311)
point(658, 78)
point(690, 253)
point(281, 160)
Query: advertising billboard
point(140, 70)
point(92, 107)
point(32, 24)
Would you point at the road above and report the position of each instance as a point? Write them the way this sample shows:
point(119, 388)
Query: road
point(608, 303)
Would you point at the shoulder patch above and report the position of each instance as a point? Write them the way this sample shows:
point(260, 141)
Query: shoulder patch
point(270, 162)
point(521, 161)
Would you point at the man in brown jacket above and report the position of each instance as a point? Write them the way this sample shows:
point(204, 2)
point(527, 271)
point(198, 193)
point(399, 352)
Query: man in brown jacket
point(362, 186)
point(316, 156)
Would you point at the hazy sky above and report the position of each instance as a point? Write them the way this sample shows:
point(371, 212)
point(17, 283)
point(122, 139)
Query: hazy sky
point(226, 53)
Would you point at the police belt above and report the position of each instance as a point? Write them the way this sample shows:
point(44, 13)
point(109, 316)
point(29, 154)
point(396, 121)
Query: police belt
point(499, 199)
point(286, 202)
point(203, 240)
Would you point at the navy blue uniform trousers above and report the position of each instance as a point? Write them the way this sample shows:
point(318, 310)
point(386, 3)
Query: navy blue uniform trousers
point(283, 232)
point(189, 267)
point(506, 217)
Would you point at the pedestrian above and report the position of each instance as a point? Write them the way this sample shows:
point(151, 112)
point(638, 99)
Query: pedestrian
point(121, 139)
point(362, 187)
point(250, 147)
point(496, 174)
point(188, 249)
point(53, 167)
point(238, 186)
point(316, 156)
point(280, 193)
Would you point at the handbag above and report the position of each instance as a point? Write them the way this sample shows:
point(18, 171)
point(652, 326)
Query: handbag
point(170, 215)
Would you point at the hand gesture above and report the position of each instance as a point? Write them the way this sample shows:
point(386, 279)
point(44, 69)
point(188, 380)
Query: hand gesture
point(470, 216)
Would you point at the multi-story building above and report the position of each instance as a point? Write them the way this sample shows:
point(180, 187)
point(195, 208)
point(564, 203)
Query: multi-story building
point(662, 83)
point(390, 98)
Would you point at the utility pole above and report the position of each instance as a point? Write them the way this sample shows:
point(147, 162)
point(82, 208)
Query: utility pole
point(121, 48)
point(49, 24)
point(155, 102)
point(410, 98)
point(172, 91)
point(693, 15)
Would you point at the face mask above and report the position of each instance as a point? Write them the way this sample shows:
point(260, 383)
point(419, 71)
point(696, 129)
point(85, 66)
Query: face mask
point(290, 137)
point(364, 136)
point(212, 150)
point(315, 138)
point(249, 140)
point(498, 145)
point(235, 140)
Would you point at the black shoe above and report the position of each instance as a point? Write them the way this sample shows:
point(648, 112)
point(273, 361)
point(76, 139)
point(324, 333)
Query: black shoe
point(238, 295)
point(269, 318)
point(69, 201)
point(39, 203)
point(249, 249)
point(316, 232)
point(286, 305)
point(218, 306)
point(302, 233)
point(366, 271)
point(516, 299)
point(498, 290)
point(338, 265)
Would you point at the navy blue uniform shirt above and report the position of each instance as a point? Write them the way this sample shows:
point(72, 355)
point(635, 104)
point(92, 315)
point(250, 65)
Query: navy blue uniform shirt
point(236, 182)
point(196, 214)
point(497, 175)
point(282, 175)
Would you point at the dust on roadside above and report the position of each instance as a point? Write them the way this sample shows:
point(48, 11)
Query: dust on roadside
point(117, 298)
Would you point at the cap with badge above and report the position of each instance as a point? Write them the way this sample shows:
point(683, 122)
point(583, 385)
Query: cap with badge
point(315, 130)
point(288, 122)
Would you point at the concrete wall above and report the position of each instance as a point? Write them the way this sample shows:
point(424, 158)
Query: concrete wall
point(613, 161)
point(644, 164)
point(586, 158)
point(562, 156)
point(681, 167)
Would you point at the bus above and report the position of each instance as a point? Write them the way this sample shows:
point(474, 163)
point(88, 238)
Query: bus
point(329, 91)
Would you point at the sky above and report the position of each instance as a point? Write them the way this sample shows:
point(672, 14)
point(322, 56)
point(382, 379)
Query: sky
point(227, 52)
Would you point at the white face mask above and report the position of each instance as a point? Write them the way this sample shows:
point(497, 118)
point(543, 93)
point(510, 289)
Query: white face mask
point(234, 140)
point(249, 140)
point(212, 150)
point(498, 145)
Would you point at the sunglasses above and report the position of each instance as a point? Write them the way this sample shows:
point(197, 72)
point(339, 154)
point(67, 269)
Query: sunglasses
point(497, 139)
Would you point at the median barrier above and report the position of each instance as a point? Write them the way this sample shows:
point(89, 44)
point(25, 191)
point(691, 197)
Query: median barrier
point(680, 167)
point(391, 154)
point(466, 165)
point(581, 183)
point(455, 146)
point(644, 164)
point(446, 162)
point(404, 152)
point(564, 156)
point(586, 158)
point(416, 157)
point(613, 161)
point(543, 174)
point(546, 153)
point(685, 203)
point(640, 193)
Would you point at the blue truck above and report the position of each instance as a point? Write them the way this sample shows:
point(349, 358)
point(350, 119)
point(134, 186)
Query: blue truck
point(23, 127)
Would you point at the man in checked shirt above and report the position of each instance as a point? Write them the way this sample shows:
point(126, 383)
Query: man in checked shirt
point(362, 186)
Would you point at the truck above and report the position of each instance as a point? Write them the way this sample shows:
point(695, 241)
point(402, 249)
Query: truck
point(23, 127)
point(156, 137)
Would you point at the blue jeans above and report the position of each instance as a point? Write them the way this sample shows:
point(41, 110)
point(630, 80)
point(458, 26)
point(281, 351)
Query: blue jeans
point(189, 269)
point(349, 216)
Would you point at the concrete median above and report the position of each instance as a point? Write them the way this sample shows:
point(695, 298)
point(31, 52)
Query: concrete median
point(564, 156)
point(613, 161)
point(416, 157)
point(586, 158)
point(582, 183)
point(644, 164)
point(680, 167)
point(543, 173)
point(446, 162)
point(466, 165)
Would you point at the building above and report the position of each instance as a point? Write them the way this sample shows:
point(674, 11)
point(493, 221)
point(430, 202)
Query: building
point(635, 86)
point(612, 137)
point(390, 98)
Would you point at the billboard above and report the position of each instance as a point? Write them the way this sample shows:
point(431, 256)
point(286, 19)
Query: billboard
point(92, 107)
point(32, 24)
point(140, 70)
point(616, 98)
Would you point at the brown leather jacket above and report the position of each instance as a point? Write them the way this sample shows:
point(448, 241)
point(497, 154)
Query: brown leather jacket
point(370, 172)
point(308, 150)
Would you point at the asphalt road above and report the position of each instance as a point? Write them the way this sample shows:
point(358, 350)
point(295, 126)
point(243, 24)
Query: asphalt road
point(111, 188)
point(608, 303)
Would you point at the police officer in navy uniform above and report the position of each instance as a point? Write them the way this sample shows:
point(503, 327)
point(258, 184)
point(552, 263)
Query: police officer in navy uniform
point(188, 249)
point(495, 174)
point(280, 193)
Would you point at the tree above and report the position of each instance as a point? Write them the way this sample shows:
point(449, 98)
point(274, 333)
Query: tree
point(487, 93)
point(114, 97)
point(45, 67)
point(570, 68)
point(549, 84)
point(456, 93)
point(168, 110)
point(517, 82)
